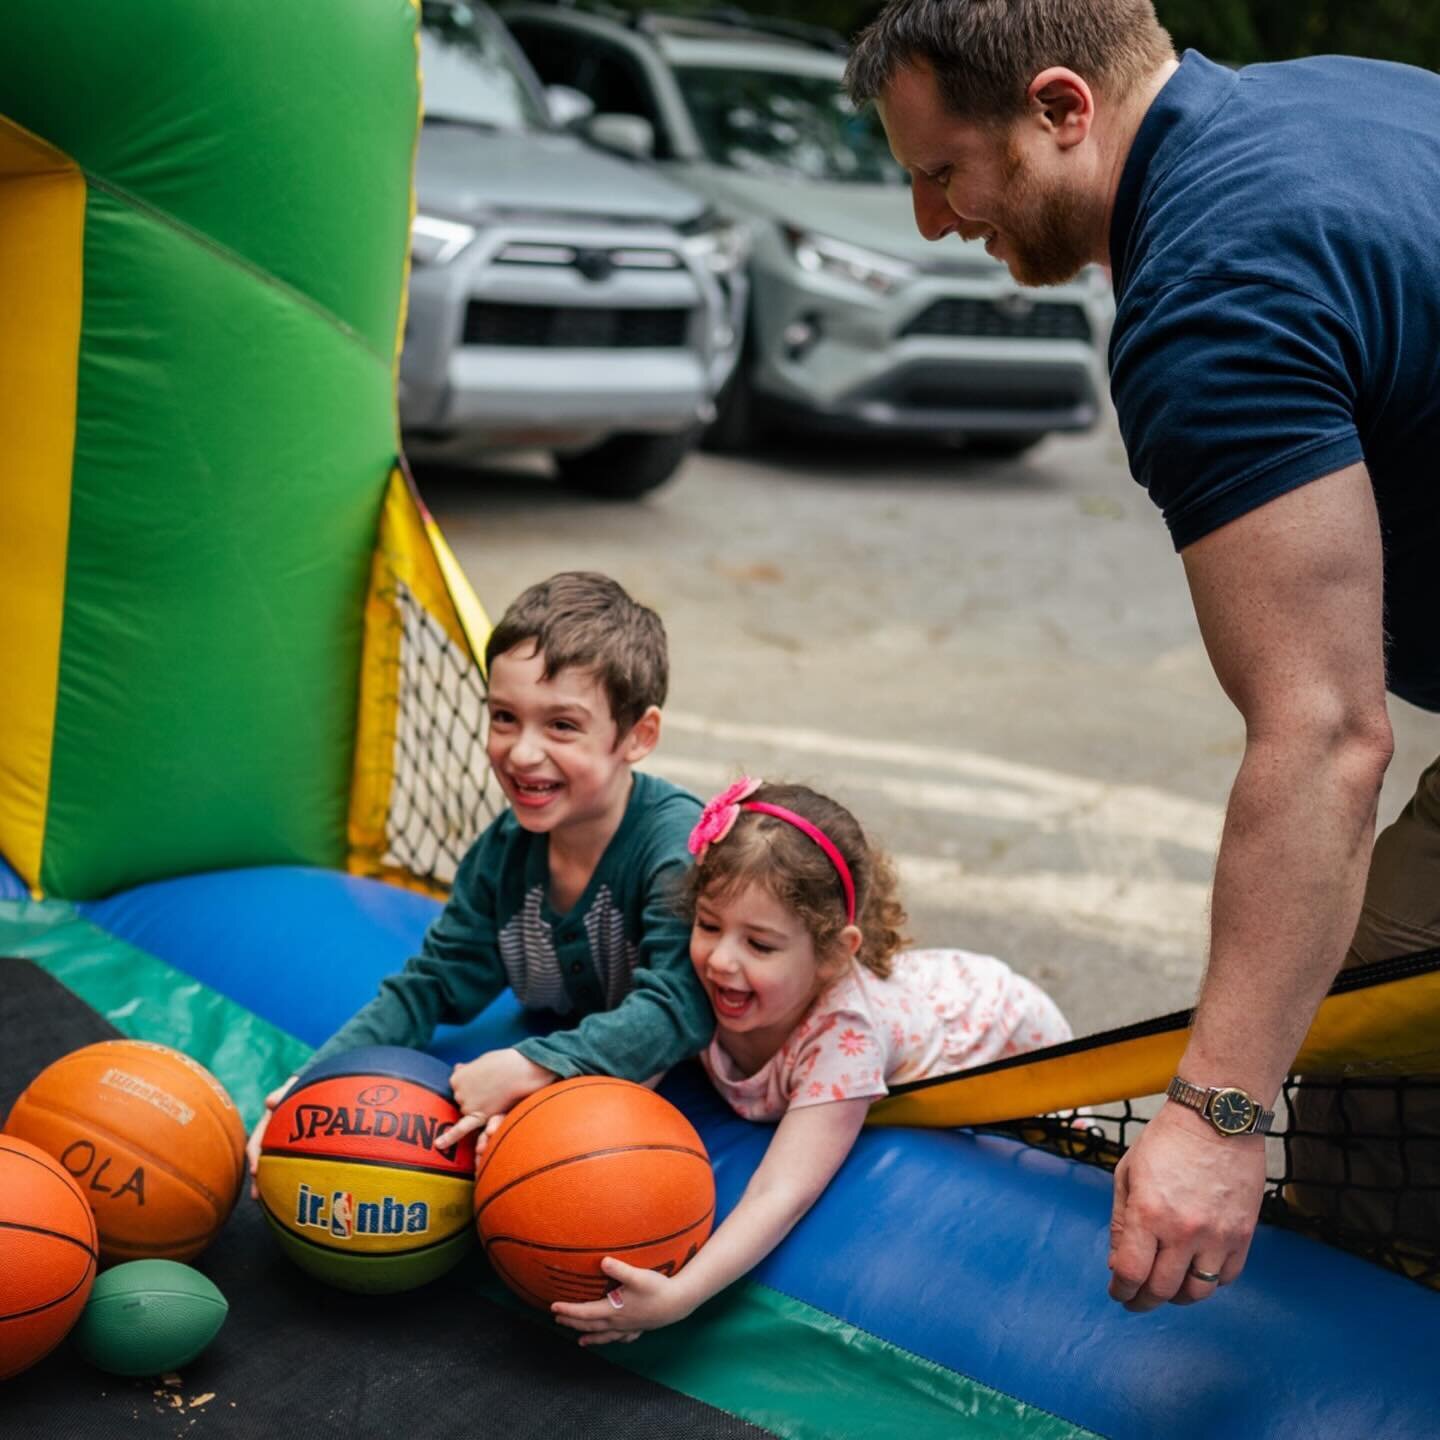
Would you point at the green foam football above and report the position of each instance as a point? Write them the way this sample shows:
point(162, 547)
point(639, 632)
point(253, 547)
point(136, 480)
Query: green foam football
point(149, 1316)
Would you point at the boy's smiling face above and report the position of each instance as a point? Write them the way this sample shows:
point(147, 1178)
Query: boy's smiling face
point(555, 747)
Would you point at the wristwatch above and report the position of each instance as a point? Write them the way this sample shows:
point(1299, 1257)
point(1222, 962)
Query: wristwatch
point(1230, 1111)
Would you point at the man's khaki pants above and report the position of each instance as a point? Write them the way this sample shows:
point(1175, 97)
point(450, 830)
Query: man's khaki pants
point(1378, 1141)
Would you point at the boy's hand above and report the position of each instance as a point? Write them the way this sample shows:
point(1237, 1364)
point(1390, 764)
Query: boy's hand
point(641, 1300)
point(257, 1135)
point(483, 1139)
point(490, 1086)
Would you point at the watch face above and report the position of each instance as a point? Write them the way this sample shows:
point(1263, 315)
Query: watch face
point(1232, 1111)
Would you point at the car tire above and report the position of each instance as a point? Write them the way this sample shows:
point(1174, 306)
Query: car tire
point(625, 467)
point(740, 422)
point(1001, 446)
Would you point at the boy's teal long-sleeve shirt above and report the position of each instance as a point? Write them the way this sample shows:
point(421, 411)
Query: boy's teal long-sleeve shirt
point(618, 961)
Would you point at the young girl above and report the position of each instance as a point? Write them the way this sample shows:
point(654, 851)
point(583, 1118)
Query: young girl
point(795, 935)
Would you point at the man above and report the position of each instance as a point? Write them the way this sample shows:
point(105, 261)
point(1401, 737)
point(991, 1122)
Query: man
point(1272, 238)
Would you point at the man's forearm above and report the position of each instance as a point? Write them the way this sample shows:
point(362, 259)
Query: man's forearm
point(1288, 887)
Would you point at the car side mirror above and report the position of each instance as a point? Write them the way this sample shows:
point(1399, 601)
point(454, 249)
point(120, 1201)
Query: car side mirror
point(568, 106)
point(629, 134)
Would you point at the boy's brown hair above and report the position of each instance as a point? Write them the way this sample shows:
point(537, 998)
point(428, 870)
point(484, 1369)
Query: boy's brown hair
point(585, 621)
point(984, 53)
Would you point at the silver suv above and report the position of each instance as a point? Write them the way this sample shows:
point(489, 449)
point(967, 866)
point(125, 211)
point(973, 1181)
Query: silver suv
point(560, 297)
point(856, 321)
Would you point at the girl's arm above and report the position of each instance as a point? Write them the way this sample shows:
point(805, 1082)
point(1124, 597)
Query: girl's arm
point(808, 1148)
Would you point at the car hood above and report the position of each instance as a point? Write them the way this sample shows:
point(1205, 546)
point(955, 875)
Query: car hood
point(472, 174)
point(877, 216)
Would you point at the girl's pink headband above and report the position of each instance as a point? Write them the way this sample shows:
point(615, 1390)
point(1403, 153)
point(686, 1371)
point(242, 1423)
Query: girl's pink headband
point(718, 819)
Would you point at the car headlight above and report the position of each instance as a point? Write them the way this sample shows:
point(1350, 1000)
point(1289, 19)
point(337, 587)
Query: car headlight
point(434, 241)
point(871, 270)
point(720, 245)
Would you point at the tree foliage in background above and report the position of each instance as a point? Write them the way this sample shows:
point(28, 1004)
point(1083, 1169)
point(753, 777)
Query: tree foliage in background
point(1236, 31)
point(1242, 31)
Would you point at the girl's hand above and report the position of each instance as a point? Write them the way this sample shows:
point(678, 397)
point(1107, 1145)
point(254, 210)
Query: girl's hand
point(641, 1300)
point(257, 1135)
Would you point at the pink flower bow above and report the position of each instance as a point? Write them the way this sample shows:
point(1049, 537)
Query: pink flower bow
point(718, 818)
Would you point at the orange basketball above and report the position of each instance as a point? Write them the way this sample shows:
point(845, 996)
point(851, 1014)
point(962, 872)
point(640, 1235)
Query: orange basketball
point(154, 1142)
point(47, 1254)
point(588, 1168)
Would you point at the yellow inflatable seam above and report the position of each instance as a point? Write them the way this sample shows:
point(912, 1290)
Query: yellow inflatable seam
point(1378, 1029)
point(411, 563)
point(42, 241)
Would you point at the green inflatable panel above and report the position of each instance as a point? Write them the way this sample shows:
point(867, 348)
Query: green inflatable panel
point(200, 455)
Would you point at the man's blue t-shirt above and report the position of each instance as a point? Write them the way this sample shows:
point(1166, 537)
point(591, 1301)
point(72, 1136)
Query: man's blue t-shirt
point(1276, 256)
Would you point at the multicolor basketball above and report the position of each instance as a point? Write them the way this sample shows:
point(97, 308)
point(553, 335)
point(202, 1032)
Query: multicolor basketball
point(350, 1178)
point(152, 1138)
point(47, 1254)
point(588, 1168)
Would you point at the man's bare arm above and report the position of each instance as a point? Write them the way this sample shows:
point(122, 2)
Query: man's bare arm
point(1289, 602)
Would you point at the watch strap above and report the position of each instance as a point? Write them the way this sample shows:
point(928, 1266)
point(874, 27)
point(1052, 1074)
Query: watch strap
point(1197, 1098)
point(1194, 1097)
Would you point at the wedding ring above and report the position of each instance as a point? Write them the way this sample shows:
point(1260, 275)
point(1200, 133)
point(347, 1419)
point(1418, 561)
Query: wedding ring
point(1210, 1277)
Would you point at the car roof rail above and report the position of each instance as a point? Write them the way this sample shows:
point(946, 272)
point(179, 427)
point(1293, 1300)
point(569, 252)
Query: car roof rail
point(602, 9)
point(819, 37)
point(659, 22)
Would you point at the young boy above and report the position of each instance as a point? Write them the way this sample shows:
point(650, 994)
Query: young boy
point(568, 897)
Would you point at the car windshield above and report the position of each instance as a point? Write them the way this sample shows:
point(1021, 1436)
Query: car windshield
point(470, 73)
point(778, 122)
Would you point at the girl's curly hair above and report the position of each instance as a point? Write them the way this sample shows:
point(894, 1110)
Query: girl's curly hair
point(765, 850)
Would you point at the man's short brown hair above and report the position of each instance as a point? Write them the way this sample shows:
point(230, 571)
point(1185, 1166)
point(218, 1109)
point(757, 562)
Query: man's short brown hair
point(585, 621)
point(986, 52)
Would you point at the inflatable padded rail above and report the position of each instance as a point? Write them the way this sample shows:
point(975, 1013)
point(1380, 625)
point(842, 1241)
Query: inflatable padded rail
point(978, 1262)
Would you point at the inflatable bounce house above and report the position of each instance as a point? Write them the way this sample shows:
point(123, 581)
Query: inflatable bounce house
point(241, 753)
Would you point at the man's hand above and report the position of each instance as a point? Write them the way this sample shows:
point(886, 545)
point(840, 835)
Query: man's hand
point(490, 1086)
point(1184, 1196)
point(641, 1300)
point(257, 1135)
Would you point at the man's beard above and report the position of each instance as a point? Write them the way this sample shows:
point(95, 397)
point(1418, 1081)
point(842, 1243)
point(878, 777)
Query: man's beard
point(1049, 234)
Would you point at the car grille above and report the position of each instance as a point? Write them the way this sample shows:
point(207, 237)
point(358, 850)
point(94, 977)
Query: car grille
point(939, 395)
point(1010, 318)
point(575, 327)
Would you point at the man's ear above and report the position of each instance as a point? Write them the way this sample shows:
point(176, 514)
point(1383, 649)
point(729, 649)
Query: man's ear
point(1064, 103)
point(643, 737)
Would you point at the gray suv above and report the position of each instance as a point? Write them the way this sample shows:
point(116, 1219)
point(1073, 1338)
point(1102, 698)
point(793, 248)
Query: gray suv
point(856, 321)
point(560, 297)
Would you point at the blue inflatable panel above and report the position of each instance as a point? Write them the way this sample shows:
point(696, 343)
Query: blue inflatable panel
point(978, 1253)
point(331, 937)
point(12, 887)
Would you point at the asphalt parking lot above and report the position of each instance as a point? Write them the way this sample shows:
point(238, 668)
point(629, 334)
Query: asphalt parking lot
point(994, 663)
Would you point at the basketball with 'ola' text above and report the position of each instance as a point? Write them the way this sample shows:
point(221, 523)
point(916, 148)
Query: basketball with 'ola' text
point(48, 1254)
point(584, 1169)
point(352, 1183)
point(150, 1136)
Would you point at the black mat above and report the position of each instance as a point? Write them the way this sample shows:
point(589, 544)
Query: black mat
point(298, 1361)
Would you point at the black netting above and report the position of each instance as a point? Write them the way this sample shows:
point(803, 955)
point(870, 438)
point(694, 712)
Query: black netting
point(442, 796)
point(1354, 1162)
point(1366, 1178)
